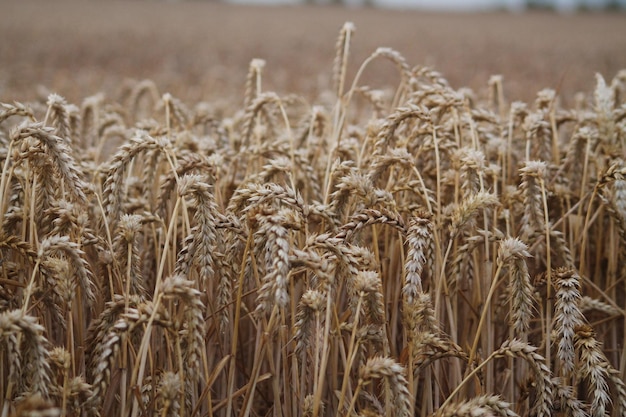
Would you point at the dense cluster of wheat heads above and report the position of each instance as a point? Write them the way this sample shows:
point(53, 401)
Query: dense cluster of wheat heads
point(405, 252)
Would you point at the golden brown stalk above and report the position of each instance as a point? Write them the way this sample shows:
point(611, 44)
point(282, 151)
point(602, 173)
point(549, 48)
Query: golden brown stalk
point(91, 109)
point(582, 142)
point(350, 258)
point(58, 289)
point(587, 304)
point(538, 128)
point(419, 74)
point(19, 247)
point(104, 323)
point(376, 98)
point(188, 163)
point(604, 107)
point(64, 218)
point(44, 187)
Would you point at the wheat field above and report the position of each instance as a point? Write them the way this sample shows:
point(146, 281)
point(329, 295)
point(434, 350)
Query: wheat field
point(412, 249)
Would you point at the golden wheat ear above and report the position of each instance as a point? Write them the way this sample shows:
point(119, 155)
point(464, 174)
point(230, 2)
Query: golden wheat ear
point(28, 355)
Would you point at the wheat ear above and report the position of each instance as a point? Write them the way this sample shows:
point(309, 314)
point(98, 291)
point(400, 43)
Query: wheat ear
point(394, 376)
point(367, 217)
point(59, 116)
point(15, 109)
point(483, 406)
point(393, 121)
point(113, 187)
point(512, 255)
point(340, 64)
point(36, 406)
point(567, 400)
point(533, 218)
point(253, 81)
point(273, 231)
point(59, 152)
point(169, 395)
point(203, 237)
point(192, 331)
point(29, 369)
point(544, 400)
point(568, 315)
point(107, 341)
point(419, 237)
point(144, 87)
point(593, 367)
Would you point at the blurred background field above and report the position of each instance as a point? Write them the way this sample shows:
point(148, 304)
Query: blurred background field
point(201, 50)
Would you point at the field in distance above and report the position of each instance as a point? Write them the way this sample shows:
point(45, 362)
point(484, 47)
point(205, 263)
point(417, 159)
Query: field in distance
point(200, 50)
